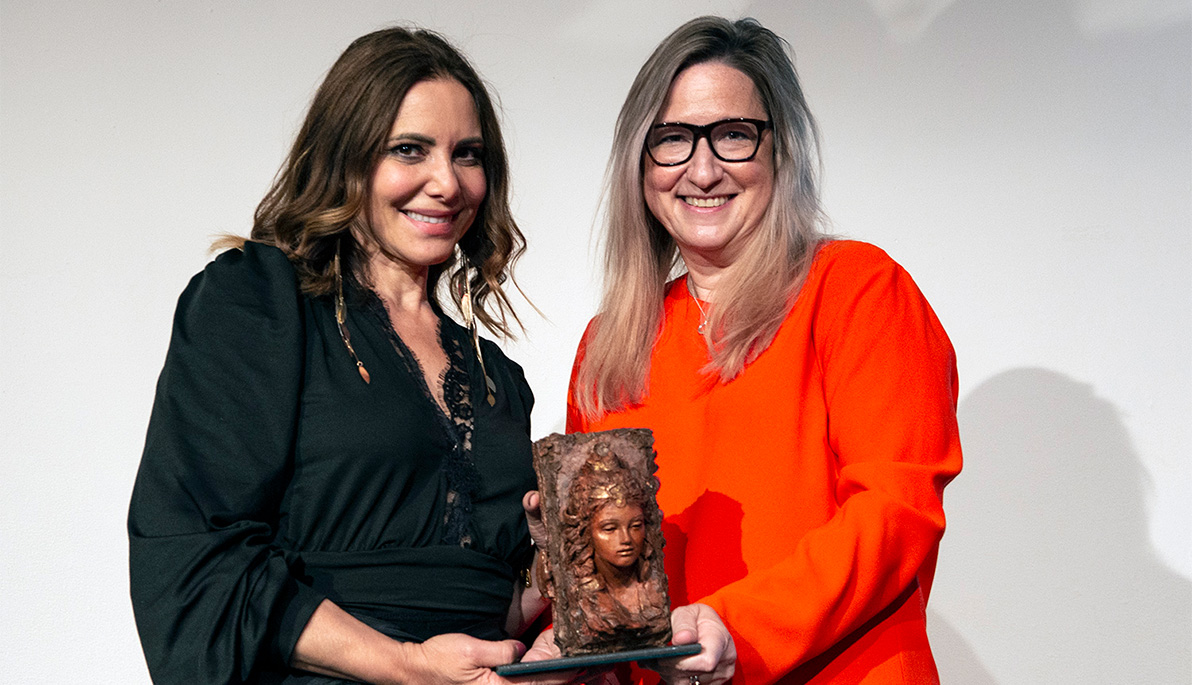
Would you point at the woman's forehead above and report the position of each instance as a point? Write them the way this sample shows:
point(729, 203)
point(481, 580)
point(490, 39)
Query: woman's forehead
point(441, 105)
point(710, 91)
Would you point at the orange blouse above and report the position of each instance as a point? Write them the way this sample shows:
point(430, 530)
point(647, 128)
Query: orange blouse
point(803, 499)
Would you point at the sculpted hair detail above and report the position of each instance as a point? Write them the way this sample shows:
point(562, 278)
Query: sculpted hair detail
point(321, 192)
point(640, 256)
point(604, 480)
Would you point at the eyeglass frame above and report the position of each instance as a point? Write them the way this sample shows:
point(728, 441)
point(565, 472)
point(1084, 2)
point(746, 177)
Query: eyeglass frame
point(705, 132)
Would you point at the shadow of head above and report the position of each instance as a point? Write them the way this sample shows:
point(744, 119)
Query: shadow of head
point(716, 551)
point(1047, 559)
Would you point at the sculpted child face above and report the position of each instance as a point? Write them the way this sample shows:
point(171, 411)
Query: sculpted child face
point(618, 533)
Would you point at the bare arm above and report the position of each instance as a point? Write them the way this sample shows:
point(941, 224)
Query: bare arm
point(337, 644)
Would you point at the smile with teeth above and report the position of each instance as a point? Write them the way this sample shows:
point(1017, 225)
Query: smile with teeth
point(706, 201)
point(427, 219)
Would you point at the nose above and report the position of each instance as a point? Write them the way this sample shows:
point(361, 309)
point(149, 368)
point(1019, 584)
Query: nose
point(703, 169)
point(442, 181)
point(624, 539)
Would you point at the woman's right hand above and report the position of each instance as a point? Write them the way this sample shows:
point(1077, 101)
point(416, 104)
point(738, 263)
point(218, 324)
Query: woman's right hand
point(457, 658)
point(718, 660)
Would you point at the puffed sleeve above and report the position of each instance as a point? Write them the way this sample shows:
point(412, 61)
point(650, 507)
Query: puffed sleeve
point(890, 386)
point(213, 596)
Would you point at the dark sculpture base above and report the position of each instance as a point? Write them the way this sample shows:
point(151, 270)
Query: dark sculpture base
point(569, 663)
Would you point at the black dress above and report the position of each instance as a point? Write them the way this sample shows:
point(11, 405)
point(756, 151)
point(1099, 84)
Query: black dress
point(274, 477)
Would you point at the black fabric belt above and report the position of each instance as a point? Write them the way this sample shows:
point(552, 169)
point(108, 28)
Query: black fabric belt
point(419, 592)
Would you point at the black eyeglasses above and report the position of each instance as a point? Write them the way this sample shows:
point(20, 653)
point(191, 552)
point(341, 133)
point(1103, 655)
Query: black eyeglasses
point(731, 140)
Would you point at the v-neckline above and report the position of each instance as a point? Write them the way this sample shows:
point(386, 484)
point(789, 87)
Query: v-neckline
point(417, 368)
point(457, 422)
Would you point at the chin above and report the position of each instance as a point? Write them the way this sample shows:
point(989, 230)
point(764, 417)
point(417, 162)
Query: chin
point(436, 254)
point(440, 259)
point(705, 237)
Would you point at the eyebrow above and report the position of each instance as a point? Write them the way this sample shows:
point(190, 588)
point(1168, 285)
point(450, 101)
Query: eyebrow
point(412, 136)
point(418, 137)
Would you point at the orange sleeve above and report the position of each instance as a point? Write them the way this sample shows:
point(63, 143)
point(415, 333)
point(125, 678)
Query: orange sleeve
point(890, 387)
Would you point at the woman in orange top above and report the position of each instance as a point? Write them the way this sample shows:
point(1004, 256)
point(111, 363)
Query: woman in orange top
point(801, 391)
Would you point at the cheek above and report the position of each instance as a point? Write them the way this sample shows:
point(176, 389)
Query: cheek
point(765, 186)
point(759, 184)
point(658, 180)
point(764, 174)
point(475, 185)
point(766, 177)
point(657, 184)
point(390, 180)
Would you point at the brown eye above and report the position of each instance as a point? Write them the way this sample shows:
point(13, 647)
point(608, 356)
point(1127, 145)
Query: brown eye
point(408, 152)
point(669, 136)
point(470, 155)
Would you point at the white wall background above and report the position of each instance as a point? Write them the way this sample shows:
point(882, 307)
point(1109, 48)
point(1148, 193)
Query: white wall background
point(1029, 161)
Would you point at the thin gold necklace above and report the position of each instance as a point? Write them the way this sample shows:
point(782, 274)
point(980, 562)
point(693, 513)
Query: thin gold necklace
point(703, 320)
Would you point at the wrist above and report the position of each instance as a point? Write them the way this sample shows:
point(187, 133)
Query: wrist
point(402, 660)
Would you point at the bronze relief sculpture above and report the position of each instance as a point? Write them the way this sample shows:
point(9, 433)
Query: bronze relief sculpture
point(603, 564)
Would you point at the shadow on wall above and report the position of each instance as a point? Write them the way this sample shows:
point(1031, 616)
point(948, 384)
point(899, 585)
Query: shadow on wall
point(1046, 573)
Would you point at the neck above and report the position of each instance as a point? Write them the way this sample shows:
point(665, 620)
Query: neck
point(401, 286)
point(703, 283)
point(703, 274)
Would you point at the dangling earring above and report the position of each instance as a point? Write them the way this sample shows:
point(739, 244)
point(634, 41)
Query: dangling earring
point(340, 311)
point(465, 308)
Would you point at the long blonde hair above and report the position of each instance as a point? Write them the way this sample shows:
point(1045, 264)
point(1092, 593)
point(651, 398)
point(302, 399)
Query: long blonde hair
point(640, 256)
point(318, 198)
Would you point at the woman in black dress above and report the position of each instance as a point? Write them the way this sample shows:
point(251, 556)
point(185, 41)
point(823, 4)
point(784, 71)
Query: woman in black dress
point(333, 473)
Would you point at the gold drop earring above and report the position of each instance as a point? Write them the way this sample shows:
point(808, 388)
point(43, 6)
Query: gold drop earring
point(465, 309)
point(340, 316)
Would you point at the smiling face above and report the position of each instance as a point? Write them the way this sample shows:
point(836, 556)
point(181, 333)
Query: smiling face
point(429, 184)
point(710, 207)
point(618, 532)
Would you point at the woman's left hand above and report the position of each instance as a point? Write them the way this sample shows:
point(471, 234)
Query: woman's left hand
point(532, 503)
point(718, 660)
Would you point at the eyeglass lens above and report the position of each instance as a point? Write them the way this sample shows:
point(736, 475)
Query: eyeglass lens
point(732, 141)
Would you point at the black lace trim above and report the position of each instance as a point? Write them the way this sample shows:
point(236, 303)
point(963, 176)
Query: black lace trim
point(463, 478)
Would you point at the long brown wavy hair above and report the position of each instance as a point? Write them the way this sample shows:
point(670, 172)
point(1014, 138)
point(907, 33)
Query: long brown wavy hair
point(320, 195)
point(755, 294)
